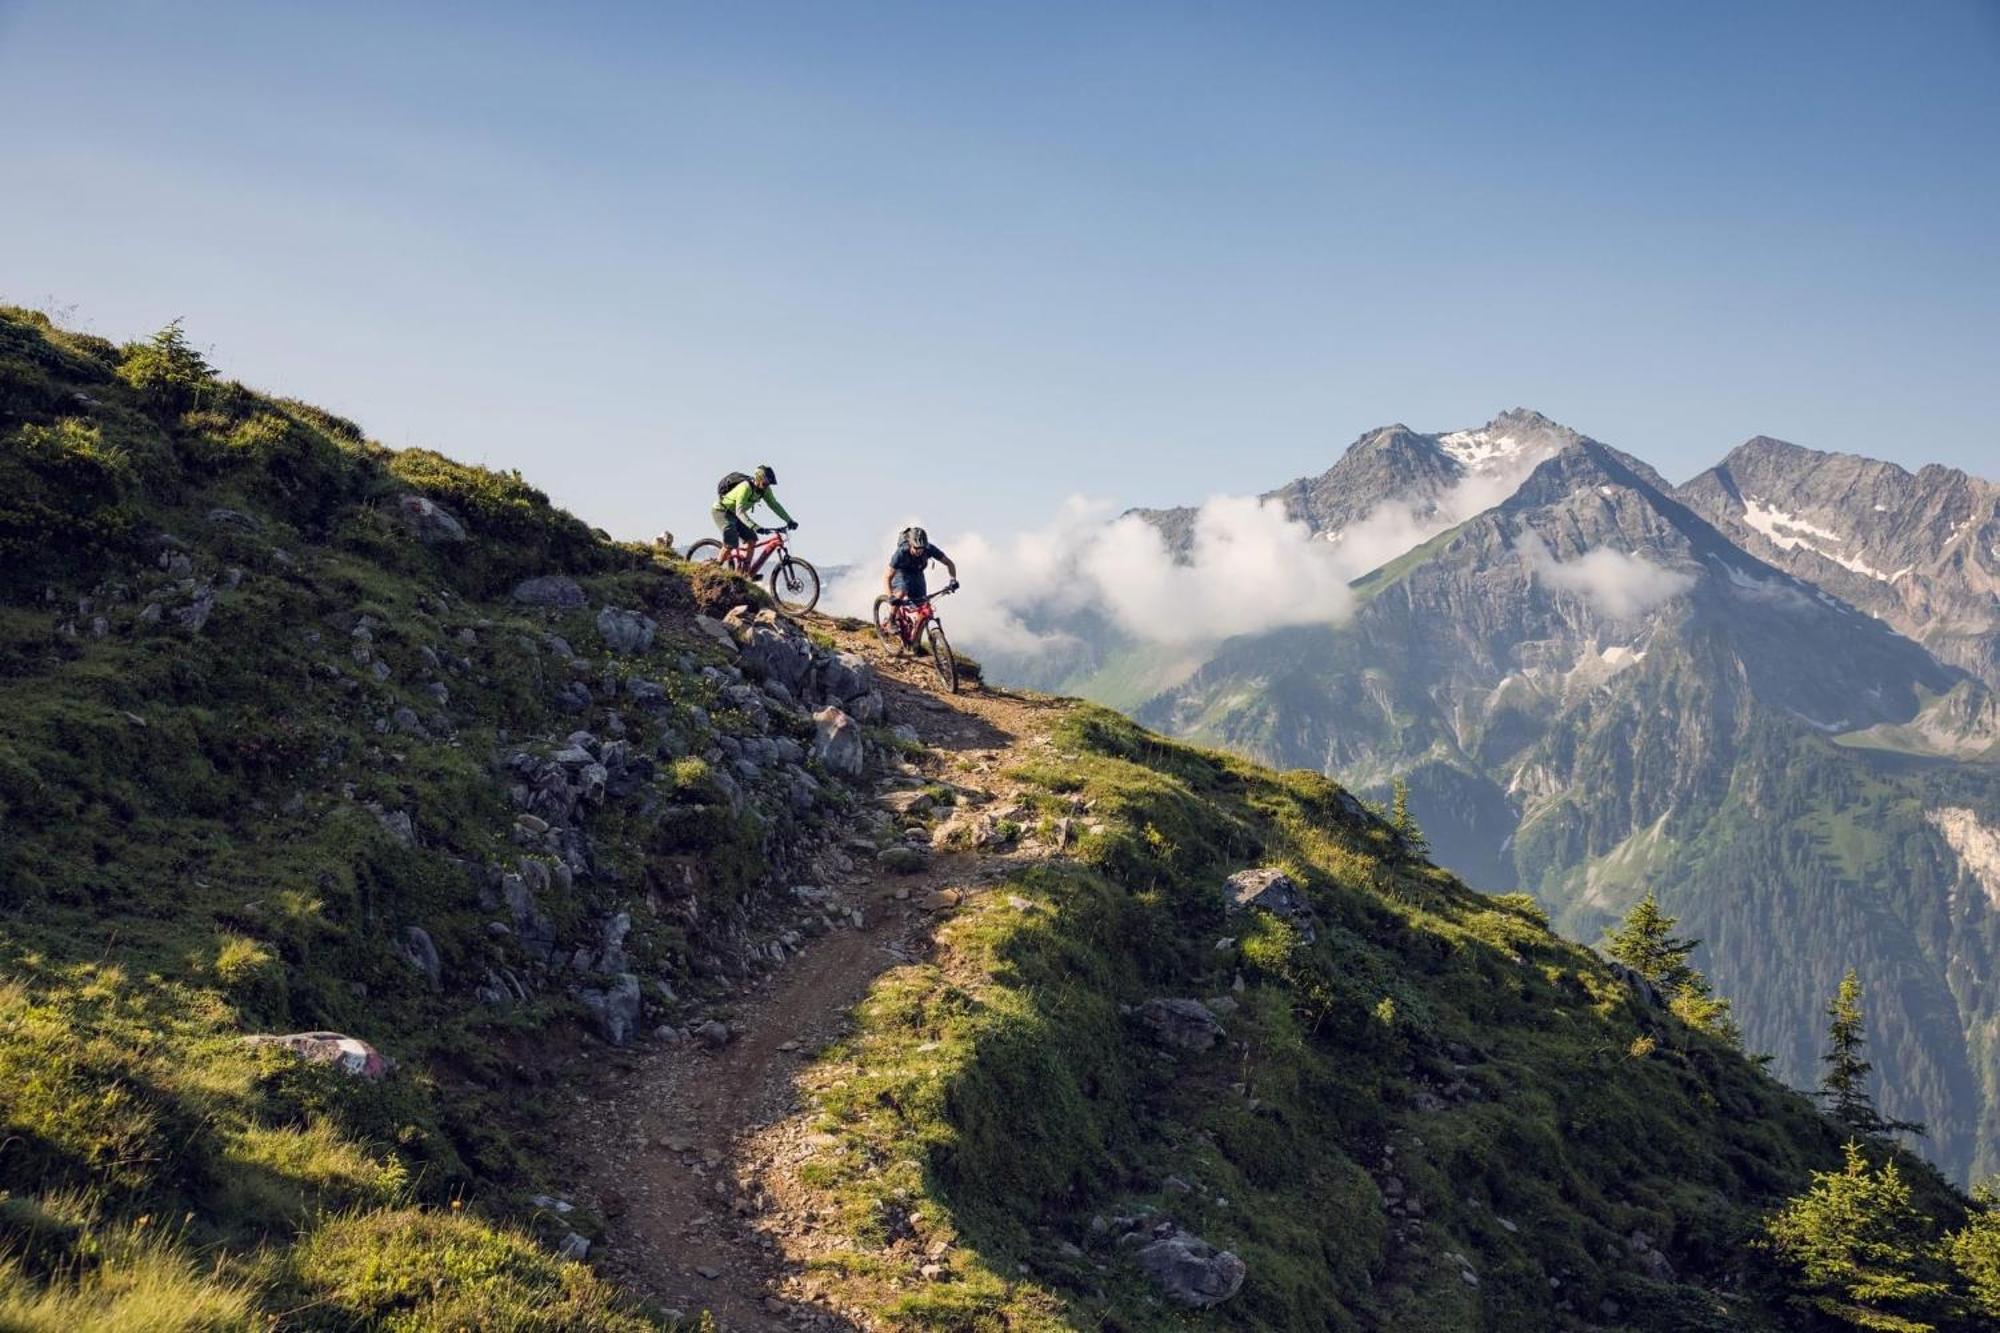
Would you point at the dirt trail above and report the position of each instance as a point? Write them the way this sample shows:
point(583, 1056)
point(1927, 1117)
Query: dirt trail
point(687, 1152)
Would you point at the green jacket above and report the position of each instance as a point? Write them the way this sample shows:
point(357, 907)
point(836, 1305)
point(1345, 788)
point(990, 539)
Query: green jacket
point(744, 496)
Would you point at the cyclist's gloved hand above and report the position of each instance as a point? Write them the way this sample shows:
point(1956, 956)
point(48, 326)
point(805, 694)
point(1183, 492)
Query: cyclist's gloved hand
point(792, 526)
point(953, 587)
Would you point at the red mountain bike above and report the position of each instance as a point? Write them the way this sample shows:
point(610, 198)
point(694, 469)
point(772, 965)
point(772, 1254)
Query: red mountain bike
point(915, 627)
point(794, 583)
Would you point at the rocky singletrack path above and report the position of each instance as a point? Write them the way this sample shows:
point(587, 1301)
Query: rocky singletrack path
point(691, 1154)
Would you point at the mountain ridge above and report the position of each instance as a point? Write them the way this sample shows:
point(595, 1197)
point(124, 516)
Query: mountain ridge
point(300, 732)
point(1509, 664)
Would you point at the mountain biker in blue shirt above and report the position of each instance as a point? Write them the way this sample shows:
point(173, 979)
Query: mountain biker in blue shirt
point(904, 578)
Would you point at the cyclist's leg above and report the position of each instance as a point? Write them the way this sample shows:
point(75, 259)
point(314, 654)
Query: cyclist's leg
point(899, 587)
point(735, 534)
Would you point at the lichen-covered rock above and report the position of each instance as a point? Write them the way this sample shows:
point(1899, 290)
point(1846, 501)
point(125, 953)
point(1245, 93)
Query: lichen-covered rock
point(625, 632)
point(1646, 992)
point(1191, 1272)
point(1186, 1024)
point(429, 522)
point(1270, 889)
point(776, 654)
point(420, 952)
point(845, 676)
point(555, 591)
point(837, 743)
point(716, 631)
point(350, 1055)
point(195, 614)
point(902, 859)
point(615, 1009)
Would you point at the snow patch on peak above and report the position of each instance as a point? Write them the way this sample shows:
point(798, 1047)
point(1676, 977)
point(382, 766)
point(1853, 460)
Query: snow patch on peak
point(1788, 532)
point(1976, 844)
point(1769, 519)
point(1484, 449)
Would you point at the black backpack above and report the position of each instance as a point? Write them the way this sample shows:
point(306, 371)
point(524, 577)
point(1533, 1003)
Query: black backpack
point(730, 482)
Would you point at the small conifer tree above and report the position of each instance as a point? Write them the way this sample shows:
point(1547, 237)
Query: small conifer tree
point(1861, 1247)
point(168, 370)
point(1646, 943)
point(1975, 1251)
point(1403, 821)
point(1844, 1087)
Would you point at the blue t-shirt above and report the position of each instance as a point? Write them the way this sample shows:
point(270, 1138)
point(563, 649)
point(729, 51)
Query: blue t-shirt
point(910, 568)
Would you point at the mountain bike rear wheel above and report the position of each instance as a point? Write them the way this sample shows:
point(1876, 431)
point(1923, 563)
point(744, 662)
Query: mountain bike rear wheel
point(795, 586)
point(707, 551)
point(941, 658)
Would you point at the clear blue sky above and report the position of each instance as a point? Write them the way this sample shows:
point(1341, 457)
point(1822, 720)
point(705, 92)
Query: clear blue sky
point(966, 258)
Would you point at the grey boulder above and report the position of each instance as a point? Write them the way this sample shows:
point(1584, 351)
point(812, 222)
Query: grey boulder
point(551, 590)
point(429, 522)
point(350, 1055)
point(1191, 1272)
point(1269, 889)
point(420, 952)
point(1187, 1024)
point(615, 1009)
point(837, 743)
point(625, 632)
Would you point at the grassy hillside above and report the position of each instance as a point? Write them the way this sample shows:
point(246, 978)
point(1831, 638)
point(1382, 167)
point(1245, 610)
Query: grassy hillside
point(283, 748)
point(1435, 1114)
point(252, 729)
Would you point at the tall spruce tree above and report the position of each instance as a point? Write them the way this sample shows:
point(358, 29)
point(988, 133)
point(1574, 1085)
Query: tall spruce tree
point(1844, 1087)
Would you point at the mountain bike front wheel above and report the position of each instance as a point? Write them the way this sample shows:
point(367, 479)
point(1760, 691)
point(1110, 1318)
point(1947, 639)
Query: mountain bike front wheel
point(885, 626)
point(941, 658)
point(795, 586)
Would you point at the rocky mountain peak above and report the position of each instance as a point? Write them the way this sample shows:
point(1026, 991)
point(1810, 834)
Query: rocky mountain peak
point(1583, 465)
point(1512, 439)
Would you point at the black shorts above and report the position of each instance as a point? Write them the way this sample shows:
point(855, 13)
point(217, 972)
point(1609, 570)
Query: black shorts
point(735, 532)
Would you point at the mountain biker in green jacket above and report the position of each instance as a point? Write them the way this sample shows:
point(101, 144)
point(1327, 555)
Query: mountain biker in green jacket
point(733, 506)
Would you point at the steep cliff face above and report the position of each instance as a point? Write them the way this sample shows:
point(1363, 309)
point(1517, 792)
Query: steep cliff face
point(1919, 550)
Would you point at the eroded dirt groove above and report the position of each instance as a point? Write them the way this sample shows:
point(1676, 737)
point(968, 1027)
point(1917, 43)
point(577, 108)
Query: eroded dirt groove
point(692, 1155)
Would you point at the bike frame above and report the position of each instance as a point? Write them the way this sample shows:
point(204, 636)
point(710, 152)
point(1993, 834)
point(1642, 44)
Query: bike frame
point(759, 552)
point(910, 618)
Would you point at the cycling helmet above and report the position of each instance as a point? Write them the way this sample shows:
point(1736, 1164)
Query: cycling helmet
point(916, 537)
point(766, 475)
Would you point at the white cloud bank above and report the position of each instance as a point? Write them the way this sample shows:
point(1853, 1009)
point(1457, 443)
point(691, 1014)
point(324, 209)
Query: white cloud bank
point(1615, 583)
point(1250, 568)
